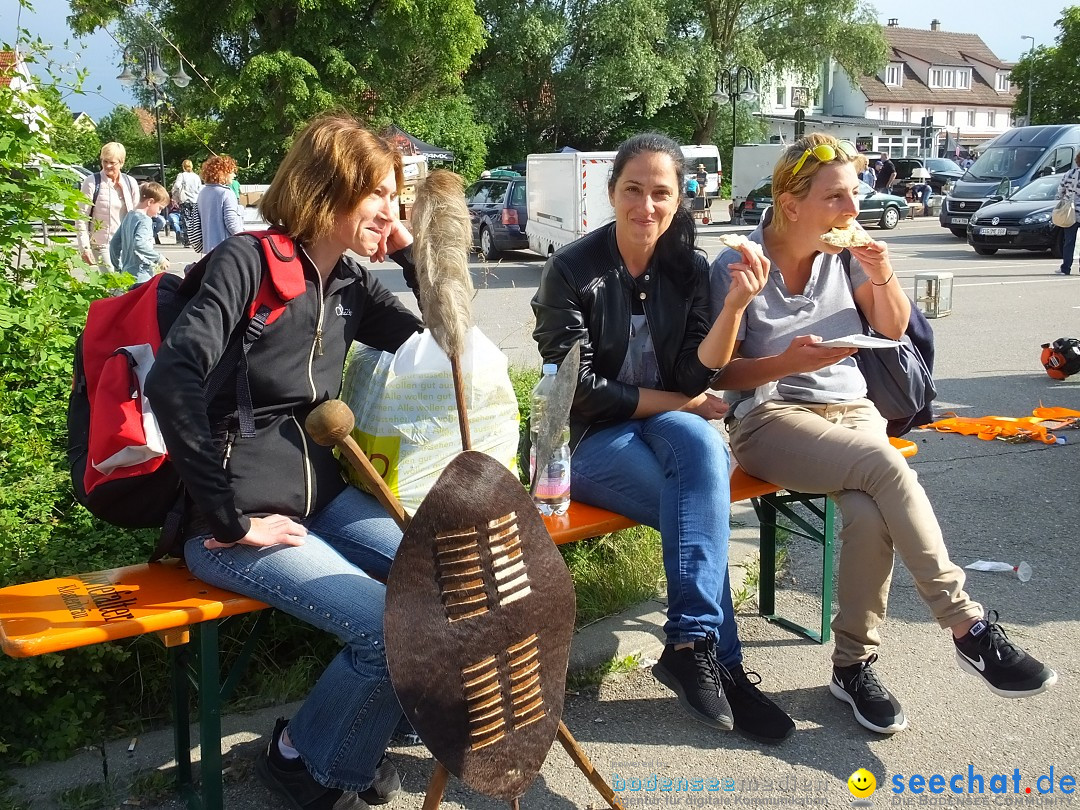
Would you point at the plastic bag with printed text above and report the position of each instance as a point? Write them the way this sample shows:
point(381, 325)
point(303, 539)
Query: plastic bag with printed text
point(406, 415)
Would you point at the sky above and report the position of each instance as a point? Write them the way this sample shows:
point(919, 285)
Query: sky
point(993, 20)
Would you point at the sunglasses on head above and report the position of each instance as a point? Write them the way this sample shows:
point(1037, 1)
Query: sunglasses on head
point(825, 152)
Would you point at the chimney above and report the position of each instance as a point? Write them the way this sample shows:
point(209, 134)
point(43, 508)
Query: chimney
point(893, 22)
point(935, 25)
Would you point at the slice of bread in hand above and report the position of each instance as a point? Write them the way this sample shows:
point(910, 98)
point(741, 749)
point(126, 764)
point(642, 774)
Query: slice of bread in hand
point(847, 237)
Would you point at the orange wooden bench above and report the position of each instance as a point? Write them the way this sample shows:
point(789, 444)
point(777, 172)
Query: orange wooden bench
point(164, 598)
point(582, 521)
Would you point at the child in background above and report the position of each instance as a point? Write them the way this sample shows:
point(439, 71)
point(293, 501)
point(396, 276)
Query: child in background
point(132, 246)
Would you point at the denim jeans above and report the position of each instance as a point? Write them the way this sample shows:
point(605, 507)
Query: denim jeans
point(176, 225)
point(346, 721)
point(1068, 246)
point(672, 472)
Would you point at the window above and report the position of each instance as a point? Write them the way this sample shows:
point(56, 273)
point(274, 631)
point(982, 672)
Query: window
point(950, 118)
point(1003, 83)
point(894, 75)
point(991, 119)
point(1060, 162)
point(963, 79)
point(928, 112)
point(781, 96)
point(883, 113)
point(971, 118)
point(937, 77)
point(905, 115)
point(800, 97)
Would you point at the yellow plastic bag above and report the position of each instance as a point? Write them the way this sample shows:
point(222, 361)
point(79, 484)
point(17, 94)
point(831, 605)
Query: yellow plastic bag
point(406, 415)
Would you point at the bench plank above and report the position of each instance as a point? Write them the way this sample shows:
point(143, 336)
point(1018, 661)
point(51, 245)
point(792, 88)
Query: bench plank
point(76, 611)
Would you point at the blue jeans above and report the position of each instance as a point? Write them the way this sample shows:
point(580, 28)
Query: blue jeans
point(672, 472)
point(1068, 246)
point(346, 721)
point(176, 225)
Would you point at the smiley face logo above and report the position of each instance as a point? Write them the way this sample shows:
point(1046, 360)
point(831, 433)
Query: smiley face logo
point(862, 783)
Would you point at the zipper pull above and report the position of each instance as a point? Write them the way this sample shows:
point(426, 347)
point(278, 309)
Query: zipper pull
point(318, 342)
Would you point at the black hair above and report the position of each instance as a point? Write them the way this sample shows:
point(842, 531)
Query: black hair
point(677, 246)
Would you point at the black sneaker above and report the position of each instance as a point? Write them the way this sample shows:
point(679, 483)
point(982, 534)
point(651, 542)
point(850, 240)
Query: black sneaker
point(755, 715)
point(874, 706)
point(290, 780)
point(986, 652)
point(693, 674)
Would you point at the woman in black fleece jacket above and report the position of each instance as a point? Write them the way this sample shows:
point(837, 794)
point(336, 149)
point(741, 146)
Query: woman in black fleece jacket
point(271, 516)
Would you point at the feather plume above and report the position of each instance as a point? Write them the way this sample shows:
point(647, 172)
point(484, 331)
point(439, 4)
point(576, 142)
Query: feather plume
point(443, 235)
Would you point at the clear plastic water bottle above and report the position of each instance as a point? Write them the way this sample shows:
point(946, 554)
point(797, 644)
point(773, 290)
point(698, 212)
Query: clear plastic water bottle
point(551, 492)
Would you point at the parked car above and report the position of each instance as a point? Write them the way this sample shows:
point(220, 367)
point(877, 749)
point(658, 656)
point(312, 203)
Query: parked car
point(499, 214)
point(875, 208)
point(943, 173)
point(1020, 222)
point(145, 172)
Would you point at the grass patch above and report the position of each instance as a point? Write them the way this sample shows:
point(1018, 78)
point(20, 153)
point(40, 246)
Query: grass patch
point(87, 797)
point(615, 571)
point(589, 678)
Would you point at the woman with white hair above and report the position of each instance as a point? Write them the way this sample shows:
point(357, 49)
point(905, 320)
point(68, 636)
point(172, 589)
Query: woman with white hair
point(110, 195)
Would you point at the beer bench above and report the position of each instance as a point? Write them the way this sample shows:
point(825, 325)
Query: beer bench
point(187, 614)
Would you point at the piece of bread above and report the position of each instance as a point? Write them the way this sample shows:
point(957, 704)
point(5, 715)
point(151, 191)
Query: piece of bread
point(734, 240)
point(847, 237)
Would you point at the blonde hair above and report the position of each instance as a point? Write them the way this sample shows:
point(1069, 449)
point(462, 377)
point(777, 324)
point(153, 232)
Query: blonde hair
point(798, 185)
point(216, 170)
point(153, 191)
point(113, 151)
point(333, 164)
point(186, 165)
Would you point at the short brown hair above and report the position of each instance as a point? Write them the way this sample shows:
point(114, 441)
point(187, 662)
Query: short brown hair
point(798, 185)
point(334, 163)
point(153, 191)
point(217, 169)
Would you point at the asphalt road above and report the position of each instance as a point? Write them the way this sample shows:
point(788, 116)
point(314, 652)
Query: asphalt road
point(995, 500)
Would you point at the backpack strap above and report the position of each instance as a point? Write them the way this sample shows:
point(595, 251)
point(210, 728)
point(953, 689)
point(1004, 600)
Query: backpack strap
point(97, 189)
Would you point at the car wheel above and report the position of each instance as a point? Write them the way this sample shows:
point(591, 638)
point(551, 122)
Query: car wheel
point(985, 251)
point(487, 244)
point(959, 233)
point(889, 217)
point(1056, 247)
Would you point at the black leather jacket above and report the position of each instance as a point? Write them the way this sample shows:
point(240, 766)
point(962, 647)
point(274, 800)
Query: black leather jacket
point(585, 294)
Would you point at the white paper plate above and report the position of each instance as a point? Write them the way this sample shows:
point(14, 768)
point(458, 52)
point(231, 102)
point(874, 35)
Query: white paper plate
point(859, 342)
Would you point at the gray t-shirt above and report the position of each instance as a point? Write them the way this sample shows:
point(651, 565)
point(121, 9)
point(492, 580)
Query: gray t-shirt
point(825, 308)
point(639, 367)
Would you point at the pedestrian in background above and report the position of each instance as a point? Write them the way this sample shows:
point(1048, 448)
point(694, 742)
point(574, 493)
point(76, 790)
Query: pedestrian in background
point(219, 208)
point(110, 194)
point(1069, 189)
point(185, 193)
point(131, 249)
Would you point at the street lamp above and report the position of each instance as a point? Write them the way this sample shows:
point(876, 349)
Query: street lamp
point(729, 83)
point(153, 77)
point(1031, 75)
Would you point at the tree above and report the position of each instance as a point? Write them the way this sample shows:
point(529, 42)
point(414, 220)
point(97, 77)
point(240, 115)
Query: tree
point(272, 65)
point(587, 74)
point(79, 144)
point(122, 125)
point(1051, 75)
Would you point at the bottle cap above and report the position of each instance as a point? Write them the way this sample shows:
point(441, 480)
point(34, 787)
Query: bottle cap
point(550, 368)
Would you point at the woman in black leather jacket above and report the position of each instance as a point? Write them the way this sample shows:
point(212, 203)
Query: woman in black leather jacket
point(635, 293)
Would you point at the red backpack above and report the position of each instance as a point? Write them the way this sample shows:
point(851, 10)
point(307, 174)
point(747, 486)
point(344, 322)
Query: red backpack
point(119, 463)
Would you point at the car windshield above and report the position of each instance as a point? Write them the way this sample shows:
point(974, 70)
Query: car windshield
point(1045, 188)
point(1004, 161)
point(942, 165)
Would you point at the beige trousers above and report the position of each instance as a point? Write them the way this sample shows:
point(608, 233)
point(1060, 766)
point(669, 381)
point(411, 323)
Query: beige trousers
point(842, 450)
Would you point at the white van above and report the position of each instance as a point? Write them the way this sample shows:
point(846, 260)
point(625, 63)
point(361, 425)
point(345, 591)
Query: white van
point(709, 156)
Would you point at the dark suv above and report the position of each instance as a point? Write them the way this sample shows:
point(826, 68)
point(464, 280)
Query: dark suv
point(942, 171)
point(497, 208)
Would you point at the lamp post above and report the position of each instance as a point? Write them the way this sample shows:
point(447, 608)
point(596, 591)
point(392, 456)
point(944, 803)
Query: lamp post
point(736, 83)
point(153, 77)
point(1031, 75)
